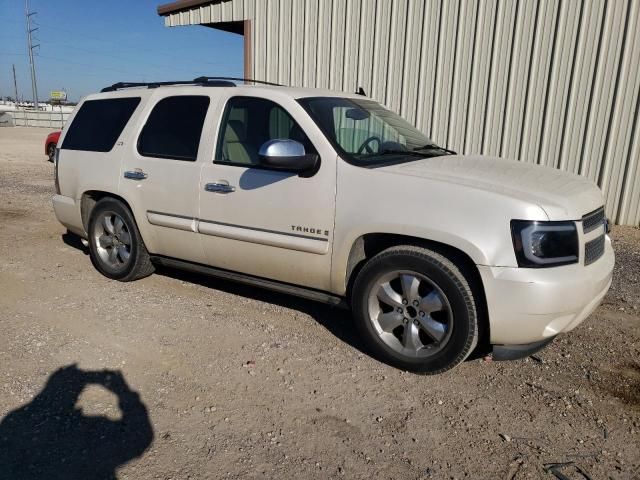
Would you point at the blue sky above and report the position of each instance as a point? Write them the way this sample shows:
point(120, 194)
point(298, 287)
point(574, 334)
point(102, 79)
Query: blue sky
point(88, 44)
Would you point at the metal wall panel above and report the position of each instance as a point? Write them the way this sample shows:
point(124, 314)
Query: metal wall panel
point(351, 44)
point(397, 48)
point(479, 76)
point(310, 27)
point(297, 42)
point(552, 82)
point(412, 54)
point(338, 34)
point(428, 57)
point(365, 43)
point(284, 44)
point(273, 38)
point(323, 54)
point(459, 98)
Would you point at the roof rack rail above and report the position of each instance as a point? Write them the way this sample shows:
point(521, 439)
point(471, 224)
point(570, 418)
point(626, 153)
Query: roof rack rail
point(237, 79)
point(204, 81)
point(197, 81)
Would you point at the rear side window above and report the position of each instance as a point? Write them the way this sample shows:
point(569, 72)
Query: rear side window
point(174, 127)
point(99, 123)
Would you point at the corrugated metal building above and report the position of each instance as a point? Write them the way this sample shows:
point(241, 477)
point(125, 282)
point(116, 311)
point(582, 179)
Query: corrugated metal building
point(555, 82)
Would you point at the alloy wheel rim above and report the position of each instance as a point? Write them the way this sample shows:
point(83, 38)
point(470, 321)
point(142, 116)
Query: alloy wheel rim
point(112, 240)
point(410, 313)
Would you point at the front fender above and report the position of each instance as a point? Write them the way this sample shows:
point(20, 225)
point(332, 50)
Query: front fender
point(344, 245)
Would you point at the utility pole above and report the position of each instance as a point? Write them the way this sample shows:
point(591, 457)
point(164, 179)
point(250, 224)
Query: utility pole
point(30, 30)
point(15, 85)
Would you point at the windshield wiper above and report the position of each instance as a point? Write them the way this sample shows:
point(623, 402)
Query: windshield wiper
point(432, 146)
point(387, 151)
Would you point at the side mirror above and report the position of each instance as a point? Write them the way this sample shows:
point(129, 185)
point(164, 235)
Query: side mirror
point(286, 155)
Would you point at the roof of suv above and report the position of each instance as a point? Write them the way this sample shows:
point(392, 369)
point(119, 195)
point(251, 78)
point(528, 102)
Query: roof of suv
point(194, 88)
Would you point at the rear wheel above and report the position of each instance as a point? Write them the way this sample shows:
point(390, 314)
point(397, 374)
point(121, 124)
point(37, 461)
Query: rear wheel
point(415, 310)
point(115, 245)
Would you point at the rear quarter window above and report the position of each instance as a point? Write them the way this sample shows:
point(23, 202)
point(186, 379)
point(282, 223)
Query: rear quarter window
point(174, 127)
point(98, 124)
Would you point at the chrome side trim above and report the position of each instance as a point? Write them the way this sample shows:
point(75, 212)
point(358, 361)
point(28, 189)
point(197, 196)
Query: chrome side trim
point(266, 230)
point(179, 222)
point(289, 241)
point(263, 236)
point(155, 212)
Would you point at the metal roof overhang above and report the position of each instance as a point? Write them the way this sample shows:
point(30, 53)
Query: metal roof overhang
point(179, 5)
point(173, 15)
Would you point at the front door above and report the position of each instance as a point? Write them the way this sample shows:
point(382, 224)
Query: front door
point(161, 174)
point(267, 223)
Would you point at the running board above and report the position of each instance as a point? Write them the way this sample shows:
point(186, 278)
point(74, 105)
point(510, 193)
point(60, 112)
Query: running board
point(308, 293)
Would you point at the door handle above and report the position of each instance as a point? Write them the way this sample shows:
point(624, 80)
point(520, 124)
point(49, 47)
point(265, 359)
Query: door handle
point(136, 174)
point(219, 187)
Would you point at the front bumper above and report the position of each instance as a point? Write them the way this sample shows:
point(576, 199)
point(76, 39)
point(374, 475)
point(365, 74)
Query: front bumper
point(529, 305)
point(515, 352)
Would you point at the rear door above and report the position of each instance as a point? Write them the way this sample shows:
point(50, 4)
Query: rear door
point(160, 174)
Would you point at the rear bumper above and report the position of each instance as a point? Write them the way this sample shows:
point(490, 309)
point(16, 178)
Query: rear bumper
point(68, 213)
point(532, 305)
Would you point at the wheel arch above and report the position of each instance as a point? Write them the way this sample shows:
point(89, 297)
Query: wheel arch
point(370, 244)
point(89, 199)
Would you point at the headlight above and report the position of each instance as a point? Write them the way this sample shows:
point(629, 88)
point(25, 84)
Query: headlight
point(544, 244)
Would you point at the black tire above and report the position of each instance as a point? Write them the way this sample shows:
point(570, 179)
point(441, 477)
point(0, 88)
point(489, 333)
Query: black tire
point(51, 152)
point(441, 274)
point(138, 264)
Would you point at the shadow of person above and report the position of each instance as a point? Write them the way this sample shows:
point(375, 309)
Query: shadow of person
point(50, 438)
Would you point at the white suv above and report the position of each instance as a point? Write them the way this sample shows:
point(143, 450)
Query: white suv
point(332, 197)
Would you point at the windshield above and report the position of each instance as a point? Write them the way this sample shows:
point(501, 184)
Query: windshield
point(366, 133)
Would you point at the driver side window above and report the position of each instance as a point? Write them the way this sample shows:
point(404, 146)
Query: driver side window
point(248, 123)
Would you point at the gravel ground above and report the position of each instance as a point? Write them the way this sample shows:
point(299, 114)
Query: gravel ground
point(235, 382)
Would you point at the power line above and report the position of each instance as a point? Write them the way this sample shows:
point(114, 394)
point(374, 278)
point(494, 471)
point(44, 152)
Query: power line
point(15, 84)
point(30, 31)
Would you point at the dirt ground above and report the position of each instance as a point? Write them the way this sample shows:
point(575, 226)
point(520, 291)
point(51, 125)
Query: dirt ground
point(235, 382)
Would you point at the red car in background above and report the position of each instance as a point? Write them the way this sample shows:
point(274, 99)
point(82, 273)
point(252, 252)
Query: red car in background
point(50, 145)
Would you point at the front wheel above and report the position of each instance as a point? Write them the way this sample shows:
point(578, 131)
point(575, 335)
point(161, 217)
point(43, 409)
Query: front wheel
point(415, 310)
point(115, 244)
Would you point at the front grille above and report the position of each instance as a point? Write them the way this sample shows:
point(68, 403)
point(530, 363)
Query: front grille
point(593, 250)
point(593, 220)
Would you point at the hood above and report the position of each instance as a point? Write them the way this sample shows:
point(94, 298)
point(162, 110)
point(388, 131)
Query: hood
point(562, 195)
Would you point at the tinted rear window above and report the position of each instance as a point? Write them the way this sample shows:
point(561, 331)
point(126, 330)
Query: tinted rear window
point(174, 127)
point(99, 123)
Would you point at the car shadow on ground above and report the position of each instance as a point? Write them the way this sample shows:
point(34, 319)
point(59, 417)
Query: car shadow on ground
point(51, 438)
point(74, 241)
point(335, 319)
